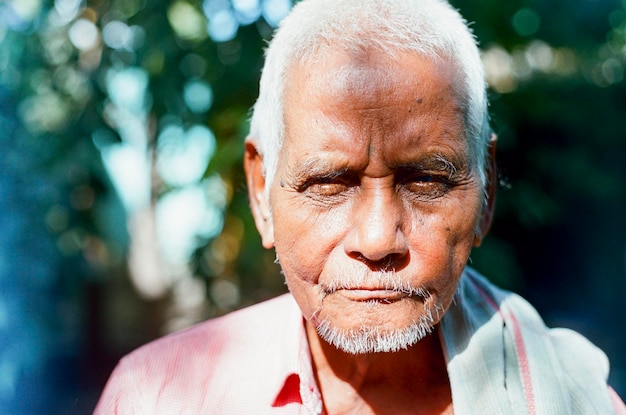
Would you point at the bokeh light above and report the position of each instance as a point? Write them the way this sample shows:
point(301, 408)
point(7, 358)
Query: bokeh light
point(198, 96)
point(526, 22)
point(184, 155)
point(83, 34)
point(187, 21)
point(247, 11)
point(223, 25)
point(185, 216)
point(275, 10)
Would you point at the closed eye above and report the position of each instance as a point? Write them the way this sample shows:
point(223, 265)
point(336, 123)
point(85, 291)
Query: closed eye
point(329, 185)
point(326, 189)
point(409, 176)
point(424, 178)
point(424, 185)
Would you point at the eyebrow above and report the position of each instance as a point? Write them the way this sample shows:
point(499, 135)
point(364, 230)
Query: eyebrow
point(315, 167)
point(436, 162)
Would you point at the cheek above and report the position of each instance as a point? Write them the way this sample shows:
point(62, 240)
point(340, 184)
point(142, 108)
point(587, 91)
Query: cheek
point(442, 239)
point(306, 294)
point(305, 238)
point(444, 229)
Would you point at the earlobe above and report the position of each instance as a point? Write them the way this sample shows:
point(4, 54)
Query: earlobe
point(491, 184)
point(259, 200)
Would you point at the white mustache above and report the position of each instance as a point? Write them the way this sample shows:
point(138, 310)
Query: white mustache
point(367, 279)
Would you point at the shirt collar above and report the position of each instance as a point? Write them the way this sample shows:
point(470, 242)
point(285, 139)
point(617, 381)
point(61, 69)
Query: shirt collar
point(298, 380)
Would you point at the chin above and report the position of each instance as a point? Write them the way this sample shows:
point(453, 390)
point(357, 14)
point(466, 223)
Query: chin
point(379, 327)
point(373, 339)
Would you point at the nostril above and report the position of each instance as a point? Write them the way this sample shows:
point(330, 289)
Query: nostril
point(389, 263)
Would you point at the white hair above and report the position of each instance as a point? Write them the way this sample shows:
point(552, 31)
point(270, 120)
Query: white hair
point(431, 28)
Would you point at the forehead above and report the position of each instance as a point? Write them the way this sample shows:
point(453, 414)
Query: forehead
point(372, 99)
point(362, 72)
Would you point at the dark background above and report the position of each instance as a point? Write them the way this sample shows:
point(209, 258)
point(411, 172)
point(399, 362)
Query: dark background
point(84, 276)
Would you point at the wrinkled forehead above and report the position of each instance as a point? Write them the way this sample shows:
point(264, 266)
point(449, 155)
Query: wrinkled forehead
point(360, 70)
point(369, 78)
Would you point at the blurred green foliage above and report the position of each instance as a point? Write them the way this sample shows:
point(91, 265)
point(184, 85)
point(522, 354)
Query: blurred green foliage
point(80, 80)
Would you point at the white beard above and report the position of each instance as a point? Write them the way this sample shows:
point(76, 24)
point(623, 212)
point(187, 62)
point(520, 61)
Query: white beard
point(373, 340)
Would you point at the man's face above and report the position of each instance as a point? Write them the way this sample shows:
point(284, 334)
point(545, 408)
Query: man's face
point(375, 203)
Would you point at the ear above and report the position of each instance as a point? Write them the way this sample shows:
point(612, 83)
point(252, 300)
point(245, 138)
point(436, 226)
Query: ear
point(259, 199)
point(491, 173)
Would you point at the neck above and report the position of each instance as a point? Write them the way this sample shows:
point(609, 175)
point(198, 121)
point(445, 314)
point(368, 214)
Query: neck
point(381, 383)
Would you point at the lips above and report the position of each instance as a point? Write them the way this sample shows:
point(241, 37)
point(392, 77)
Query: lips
point(368, 295)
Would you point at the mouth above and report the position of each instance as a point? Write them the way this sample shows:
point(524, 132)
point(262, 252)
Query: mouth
point(373, 295)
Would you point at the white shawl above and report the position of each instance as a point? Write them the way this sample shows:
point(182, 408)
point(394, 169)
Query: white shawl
point(502, 359)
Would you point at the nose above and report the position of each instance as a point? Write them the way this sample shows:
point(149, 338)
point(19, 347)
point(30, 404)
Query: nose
point(376, 234)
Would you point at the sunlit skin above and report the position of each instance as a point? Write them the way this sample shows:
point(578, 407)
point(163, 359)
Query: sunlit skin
point(374, 175)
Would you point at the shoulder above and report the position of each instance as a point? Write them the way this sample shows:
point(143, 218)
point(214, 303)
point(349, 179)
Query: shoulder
point(183, 367)
point(524, 321)
point(257, 320)
point(238, 329)
point(213, 338)
point(555, 364)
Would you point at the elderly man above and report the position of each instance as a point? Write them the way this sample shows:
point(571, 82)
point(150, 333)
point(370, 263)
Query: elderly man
point(370, 168)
